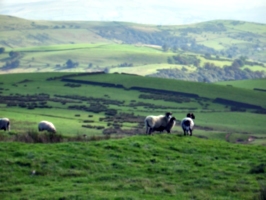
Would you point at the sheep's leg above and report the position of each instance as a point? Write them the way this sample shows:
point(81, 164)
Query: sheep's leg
point(148, 129)
point(190, 132)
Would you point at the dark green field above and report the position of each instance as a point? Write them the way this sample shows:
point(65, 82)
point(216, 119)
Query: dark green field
point(255, 84)
point(96, 104)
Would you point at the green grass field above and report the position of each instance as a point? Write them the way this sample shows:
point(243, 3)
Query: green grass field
point(102, 150)
point(212, 118)
point(220, 161)
point(139, 167)
point(247, 84)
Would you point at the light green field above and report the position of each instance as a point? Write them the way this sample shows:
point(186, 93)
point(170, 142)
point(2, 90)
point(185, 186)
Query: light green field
point(144, 70)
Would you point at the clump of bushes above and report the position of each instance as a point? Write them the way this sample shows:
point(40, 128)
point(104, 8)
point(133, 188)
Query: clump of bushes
point(35, 137)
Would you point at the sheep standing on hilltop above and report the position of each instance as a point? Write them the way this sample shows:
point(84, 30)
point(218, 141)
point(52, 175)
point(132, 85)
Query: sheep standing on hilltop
point(156, 122)
point(187, 124)
point(4, 124)
point(170, 125)
point(46, 126)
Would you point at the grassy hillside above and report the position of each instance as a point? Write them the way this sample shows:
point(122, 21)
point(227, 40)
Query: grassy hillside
point(101, 151)
point(198, 52)
point(247, 84)
point(231, 37)
point(138, 167)
point(118, 103)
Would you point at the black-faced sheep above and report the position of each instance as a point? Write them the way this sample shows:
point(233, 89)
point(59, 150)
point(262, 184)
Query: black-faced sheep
point(46, 126)
point(4, 124)
point(187, 124)
point(170, 125)
point(154, 122)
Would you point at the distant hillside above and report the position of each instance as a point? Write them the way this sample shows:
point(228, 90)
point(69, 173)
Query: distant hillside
point(207, 52)
point(226, 38)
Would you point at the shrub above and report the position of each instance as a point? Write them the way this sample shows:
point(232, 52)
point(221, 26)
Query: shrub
point(257, 169)
point(33, 136)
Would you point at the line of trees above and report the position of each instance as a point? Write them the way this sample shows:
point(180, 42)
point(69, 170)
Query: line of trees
point(211, 73)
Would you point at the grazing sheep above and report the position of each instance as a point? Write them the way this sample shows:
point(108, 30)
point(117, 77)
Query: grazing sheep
point(187, 124)
point(4, 124)
point(168, 127)
point(46, 126)
point(154, 122)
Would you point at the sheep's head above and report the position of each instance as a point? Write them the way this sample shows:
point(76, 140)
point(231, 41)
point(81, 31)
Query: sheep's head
point(191, 115)
point(172, 119)
point(168, 114)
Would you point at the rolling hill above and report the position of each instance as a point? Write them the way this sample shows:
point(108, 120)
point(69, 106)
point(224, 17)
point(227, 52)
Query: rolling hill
point(223, 159)
point(88, 79)
point(210, 51)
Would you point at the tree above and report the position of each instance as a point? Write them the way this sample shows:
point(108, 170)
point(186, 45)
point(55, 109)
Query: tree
point(2, 50)
point(13, 54)
point(238, 63)
point(165, 47)
point(170, 60)
point(207, 55)
point(175, 49)
point(71, 64)
point(11, 64)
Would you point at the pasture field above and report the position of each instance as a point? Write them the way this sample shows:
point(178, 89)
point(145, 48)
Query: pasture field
point(133, 59)
point(90, 57)
point(247, 84)
point(202, 89)
point(165, 166)
point(224, 159)
point(118, 104)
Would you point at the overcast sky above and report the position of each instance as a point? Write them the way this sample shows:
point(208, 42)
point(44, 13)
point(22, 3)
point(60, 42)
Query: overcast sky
point(159, 12)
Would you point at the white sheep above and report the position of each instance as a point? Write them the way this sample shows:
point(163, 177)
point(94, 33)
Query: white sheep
point(170, 125)
point(187, 124)
point(154, 122)
point(4, 124)
point(46, 126)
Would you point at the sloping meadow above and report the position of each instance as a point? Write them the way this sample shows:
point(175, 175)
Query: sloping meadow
point(162, 166)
